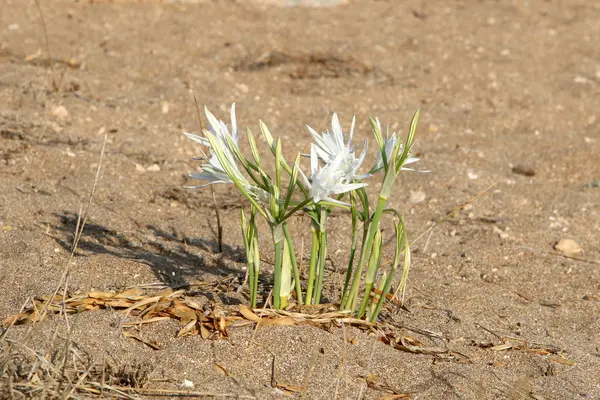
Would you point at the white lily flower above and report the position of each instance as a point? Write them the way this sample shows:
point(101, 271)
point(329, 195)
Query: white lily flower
point(331, 148)
point(327, 180)
point(389, 145)
point(213, 171)
point(217, 128)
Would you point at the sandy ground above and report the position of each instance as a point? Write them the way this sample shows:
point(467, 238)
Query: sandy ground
point(509, 94)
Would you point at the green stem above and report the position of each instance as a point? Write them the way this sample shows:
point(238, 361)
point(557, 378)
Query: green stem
point(288, 239)
point(321, 266)
point(374, 263)
point(256, 269)
point(365, 252)
point(314, 253)
point(377, 297)
point(278, 244)
point(353, 246)
point(298, 207)
point(322, 254)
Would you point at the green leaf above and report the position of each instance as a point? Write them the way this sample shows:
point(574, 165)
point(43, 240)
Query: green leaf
point(378, 136)
point(253, 148)
point(410, 140)
point(292, 184)
point(278, 158)
point(267, 135)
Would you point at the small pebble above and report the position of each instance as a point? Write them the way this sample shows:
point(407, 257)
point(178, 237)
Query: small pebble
point(153, 168)
point(417, 196)
point(568, 247)
point(60, 112)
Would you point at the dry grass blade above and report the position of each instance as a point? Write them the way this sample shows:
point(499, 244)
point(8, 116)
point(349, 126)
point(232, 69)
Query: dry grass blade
point(78, 232)
point(399, 396)
point(503, 347)
point(182, 393)
point(152, 344)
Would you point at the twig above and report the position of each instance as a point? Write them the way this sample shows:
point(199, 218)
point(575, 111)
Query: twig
point(181, 393)
point(488, 330)
point(80, 381)
point(5, 333)
point(273, 379)
point(78, 234)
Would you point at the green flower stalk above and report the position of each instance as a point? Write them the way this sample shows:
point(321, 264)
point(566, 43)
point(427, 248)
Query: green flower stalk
point(314, 259)
point(392, 158)
point(250, 238)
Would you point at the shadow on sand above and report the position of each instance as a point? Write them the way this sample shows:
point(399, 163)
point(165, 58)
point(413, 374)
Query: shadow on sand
point(176, 260)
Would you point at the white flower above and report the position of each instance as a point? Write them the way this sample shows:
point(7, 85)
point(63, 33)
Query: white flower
point(331, 148)
point(217, 128)
point(327, 180)
point(213, 171)
point(389, 145)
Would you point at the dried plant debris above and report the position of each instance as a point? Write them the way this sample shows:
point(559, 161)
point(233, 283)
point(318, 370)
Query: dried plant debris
point(208, 321)
point(26, 373)
point(374, 382)
point(166, 304)
point(410, 344)
point(554, 353)
point(212, 322)
point(29, 373)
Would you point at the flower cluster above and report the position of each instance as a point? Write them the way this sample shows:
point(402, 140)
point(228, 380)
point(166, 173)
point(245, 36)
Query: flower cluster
point(335, 180)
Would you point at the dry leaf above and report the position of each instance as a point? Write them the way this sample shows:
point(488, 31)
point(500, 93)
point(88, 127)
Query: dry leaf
point(277, 321)
point(399, 396)
point(248, 313)
point(144, 321)
point(289, 389)
point(152, 344)
point(419, 349)
point(16, 319)
point(182, 312)
point(204, 332)
point(562, 361)
point(129, 293)
point(192, 304)
point(221, 369)
point(101, 295)
point(188, 329)
point(223, 326)
point(117, 303)
point(541, 352)
point(410, 341)
point(502, 347)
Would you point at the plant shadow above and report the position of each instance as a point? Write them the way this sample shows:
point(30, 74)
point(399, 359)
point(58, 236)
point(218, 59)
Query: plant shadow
point(175, 259)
